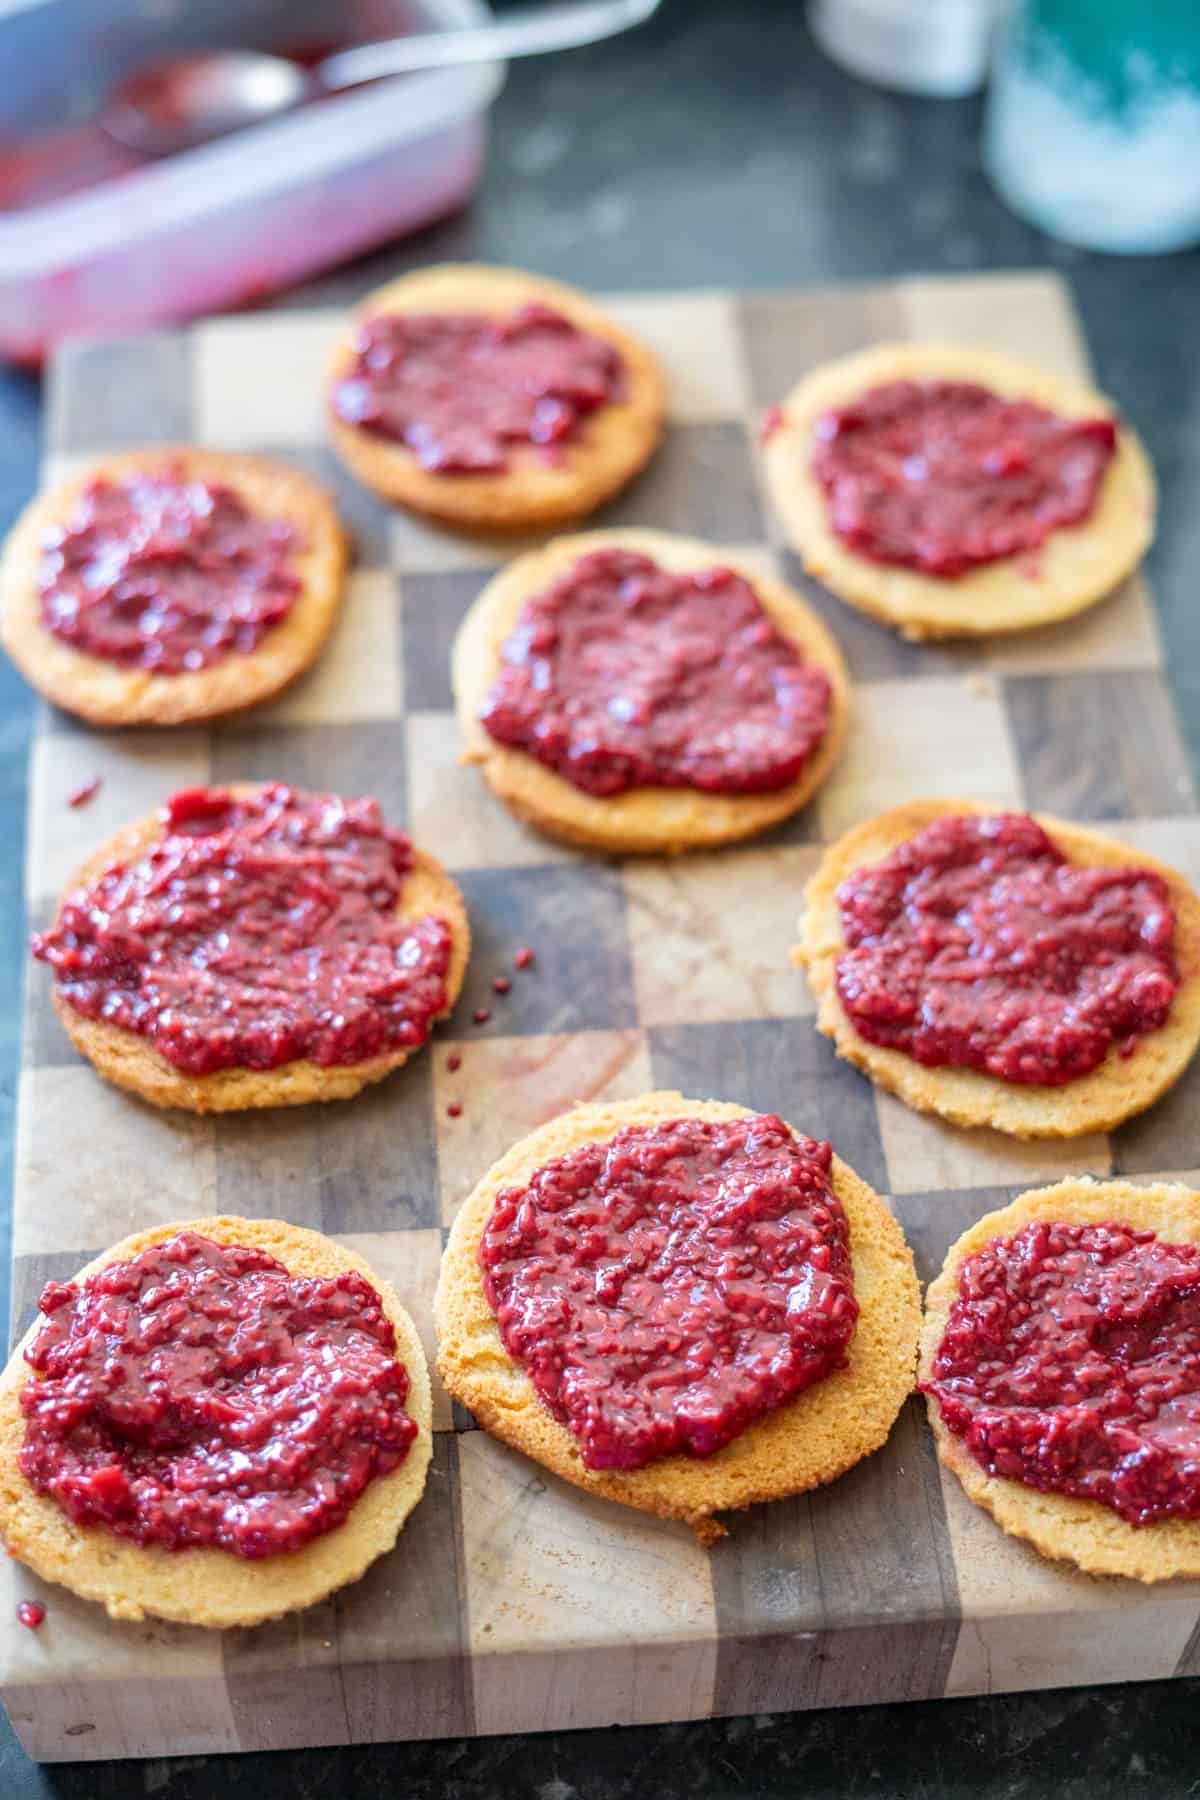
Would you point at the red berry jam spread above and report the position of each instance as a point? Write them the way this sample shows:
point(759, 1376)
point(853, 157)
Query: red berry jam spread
point(1071, 1362)
point(668, 1287)
point(164, 572)
point(977, 944)
point(462, 391)
point(201, 1394)
point(944, 475)
point(623, 674)
point(255, 931)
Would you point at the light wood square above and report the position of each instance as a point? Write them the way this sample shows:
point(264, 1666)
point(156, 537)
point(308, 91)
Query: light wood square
point(1120, 633)
point(697, 339)
point(1024, 314)
point(620, 1604)
point(137, 771)
point(710, 935)
point(358, 675)
point(452, 811)
point(259, 383)
point(928, 736)
point(94, 1164)
point(925, 1153)
point(507, 1087)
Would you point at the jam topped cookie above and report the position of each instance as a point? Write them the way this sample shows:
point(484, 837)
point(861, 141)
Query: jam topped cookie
point(255, 945)
point(680, 1305)
point(957, 491)
point(1004, 970)
point(170, 585)
point(636, 691)
point(492, 399)
point(215, 1422)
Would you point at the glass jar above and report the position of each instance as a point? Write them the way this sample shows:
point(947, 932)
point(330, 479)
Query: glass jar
point(1093, 121)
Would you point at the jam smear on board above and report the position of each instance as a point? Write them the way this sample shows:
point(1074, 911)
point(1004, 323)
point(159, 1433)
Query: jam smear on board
point(1071, 1362)
point(977, 944)
point(463, 391)
point(943, 476)
point(256, 930)
point(668, 1287)
point(623, 674)
point(162, 571)
point(200, 1394)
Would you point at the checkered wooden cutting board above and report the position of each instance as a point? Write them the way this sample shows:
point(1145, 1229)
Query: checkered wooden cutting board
point(514, 1602)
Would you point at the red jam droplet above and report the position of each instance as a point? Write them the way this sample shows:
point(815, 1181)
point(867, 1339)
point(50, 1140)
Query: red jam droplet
point(481, 1015)
point(670, 1286)
point(454, 1109)
point(254, 932)
point(454, 1061)
point(200, 1394)
point(86, 791)
point(157, 571)
point(523, 958)
point(31, 1613)
point(463, 391)
point(943, 476)
point(622, 674)
point(977, 944)
point(501, 983)
point(1071, 1362)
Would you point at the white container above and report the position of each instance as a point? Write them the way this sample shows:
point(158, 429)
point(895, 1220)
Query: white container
point(935, 47)
point(237, 219)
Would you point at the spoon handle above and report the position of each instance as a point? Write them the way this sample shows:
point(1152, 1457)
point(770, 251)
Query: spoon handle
point(529, 32)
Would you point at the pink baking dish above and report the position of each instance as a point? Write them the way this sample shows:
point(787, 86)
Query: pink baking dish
point(235, 220)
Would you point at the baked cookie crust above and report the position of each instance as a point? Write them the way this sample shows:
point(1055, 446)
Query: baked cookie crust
point(1111, 1093)
point(614, 443)
point(1084, 1532)
point(207, 1586)
point(1076, 566)
point(105, 693)
point(131, 1061)
point(650, 820)
point(802, 1444)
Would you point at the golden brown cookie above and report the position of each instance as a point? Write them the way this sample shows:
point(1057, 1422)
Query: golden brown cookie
point(802, 1444)
point(654, 820)
point(131, 1061)
point(614, 443)
point(1085, 1532)
point(1118, 1088)
point(209, 1586)
point(105, 693)
point(1076, 566)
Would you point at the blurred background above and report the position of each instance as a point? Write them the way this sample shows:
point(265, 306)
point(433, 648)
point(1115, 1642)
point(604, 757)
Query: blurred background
point(723, 143)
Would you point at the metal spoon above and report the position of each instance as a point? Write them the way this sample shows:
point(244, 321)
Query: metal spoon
point(179, 104)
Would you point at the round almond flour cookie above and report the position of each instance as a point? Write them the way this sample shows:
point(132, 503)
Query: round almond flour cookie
point(651, 819)
point(133, 1061)
point(203, 1584)
point(1089, 1533)
point(303, 584)
point(1129, 1079)
point(569, 471)
point(804, 1442)
point(1076, 565)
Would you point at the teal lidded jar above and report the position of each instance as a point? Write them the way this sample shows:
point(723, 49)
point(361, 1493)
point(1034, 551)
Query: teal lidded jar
point(1093, 122)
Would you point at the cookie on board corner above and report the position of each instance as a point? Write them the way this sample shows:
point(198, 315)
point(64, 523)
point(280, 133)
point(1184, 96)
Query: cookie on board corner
point(132, 1061)
point(205, 1585)
point(1119, 1087)
point(642, 820)
point(1075, 567)
point(533, 491)
point(107, 692)
point(803, 1443)
point(1063, 1526)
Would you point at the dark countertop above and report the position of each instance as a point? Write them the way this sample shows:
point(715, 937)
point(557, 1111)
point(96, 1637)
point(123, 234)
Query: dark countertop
point(716, 148)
